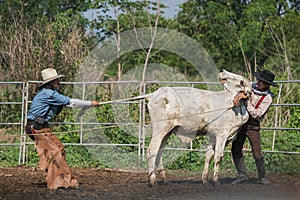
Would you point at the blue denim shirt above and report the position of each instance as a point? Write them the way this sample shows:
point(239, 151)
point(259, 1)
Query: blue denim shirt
point(42, 101)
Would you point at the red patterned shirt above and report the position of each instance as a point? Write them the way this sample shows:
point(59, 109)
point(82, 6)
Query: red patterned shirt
point(258, 106)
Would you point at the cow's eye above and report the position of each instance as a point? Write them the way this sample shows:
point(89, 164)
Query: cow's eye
point(242, 83)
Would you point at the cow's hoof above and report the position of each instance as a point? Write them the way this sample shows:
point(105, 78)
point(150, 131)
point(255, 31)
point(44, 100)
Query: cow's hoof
point(163, 182)
point(153, 184)
point(205, 184)
point(149, 185)
point(152, 180)
point(204, 181)
point(216, 183)
point(162, 174)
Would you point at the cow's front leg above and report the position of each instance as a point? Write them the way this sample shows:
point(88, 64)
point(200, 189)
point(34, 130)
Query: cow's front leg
point(208, 156)
point(217, 159)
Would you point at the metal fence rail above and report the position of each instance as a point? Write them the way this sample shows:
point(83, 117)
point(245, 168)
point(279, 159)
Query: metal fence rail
point(142, 127)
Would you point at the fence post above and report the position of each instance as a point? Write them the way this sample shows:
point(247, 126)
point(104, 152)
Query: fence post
point(276, 117)
point(141, 141)
point(22, 151)
point(81, 121)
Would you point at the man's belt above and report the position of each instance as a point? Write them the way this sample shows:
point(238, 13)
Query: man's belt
point(253, 122)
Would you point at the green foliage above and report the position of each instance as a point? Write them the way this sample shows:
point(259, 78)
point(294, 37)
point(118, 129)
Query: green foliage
point(294, 121)
point(9, 155)
point(9, 112)
point(282, 163)
point(235, 33)
point(32, 158)
point(289, 140)
point(190, 161)
point(33, 11)
point(79, 156)
point(274, 162)
point(114, 132)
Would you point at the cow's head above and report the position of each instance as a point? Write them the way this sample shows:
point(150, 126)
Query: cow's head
point(235, 84)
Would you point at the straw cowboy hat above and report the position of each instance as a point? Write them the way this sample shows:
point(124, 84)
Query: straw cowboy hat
point(266, 76)
point(49, 75)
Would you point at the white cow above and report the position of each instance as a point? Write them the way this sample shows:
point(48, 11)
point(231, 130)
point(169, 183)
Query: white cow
point(188, 112)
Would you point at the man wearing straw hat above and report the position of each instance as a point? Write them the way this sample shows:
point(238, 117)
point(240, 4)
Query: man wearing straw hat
point(257, 106)
point(49, 148)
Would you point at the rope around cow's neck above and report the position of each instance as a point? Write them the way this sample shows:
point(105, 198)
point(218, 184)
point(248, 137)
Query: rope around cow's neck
point(130, 124)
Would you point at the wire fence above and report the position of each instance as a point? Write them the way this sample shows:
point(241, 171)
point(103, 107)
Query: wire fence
point(17, 116)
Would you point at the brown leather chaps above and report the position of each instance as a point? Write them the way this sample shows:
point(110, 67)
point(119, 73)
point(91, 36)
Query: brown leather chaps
point(53, 159)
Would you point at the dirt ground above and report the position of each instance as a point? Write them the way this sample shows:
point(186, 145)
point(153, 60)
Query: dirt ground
point(26, 183)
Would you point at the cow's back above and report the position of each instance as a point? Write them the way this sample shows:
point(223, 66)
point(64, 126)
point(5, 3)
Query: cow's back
point(164, 105)
point(184, 106)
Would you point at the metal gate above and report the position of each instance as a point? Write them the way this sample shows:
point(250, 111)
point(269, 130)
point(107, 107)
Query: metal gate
point(24, 104)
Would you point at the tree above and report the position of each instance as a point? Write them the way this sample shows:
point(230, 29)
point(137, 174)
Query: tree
point(33, 11)
point(115, 17)
point(235, 33)
point(39, 34)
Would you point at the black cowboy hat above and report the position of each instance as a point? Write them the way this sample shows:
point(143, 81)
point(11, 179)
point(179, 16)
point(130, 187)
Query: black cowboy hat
point(266, 76)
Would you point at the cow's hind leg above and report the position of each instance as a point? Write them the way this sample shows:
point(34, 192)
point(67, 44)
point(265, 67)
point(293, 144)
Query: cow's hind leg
point(154, 152)
point(159, 163)
point(208, 157)
point(151, 157)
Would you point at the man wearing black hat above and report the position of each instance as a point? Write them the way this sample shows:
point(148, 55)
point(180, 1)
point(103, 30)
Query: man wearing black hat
point(257, 106)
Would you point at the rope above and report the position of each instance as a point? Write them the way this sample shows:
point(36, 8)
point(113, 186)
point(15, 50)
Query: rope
point(82, 111)
point(112, 126)
point(123, 100)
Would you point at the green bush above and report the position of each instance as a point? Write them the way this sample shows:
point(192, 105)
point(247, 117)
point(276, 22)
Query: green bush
point(9, 156)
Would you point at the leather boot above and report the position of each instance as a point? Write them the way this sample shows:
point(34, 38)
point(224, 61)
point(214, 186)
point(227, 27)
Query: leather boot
point(260, 165)
point(241, 169)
